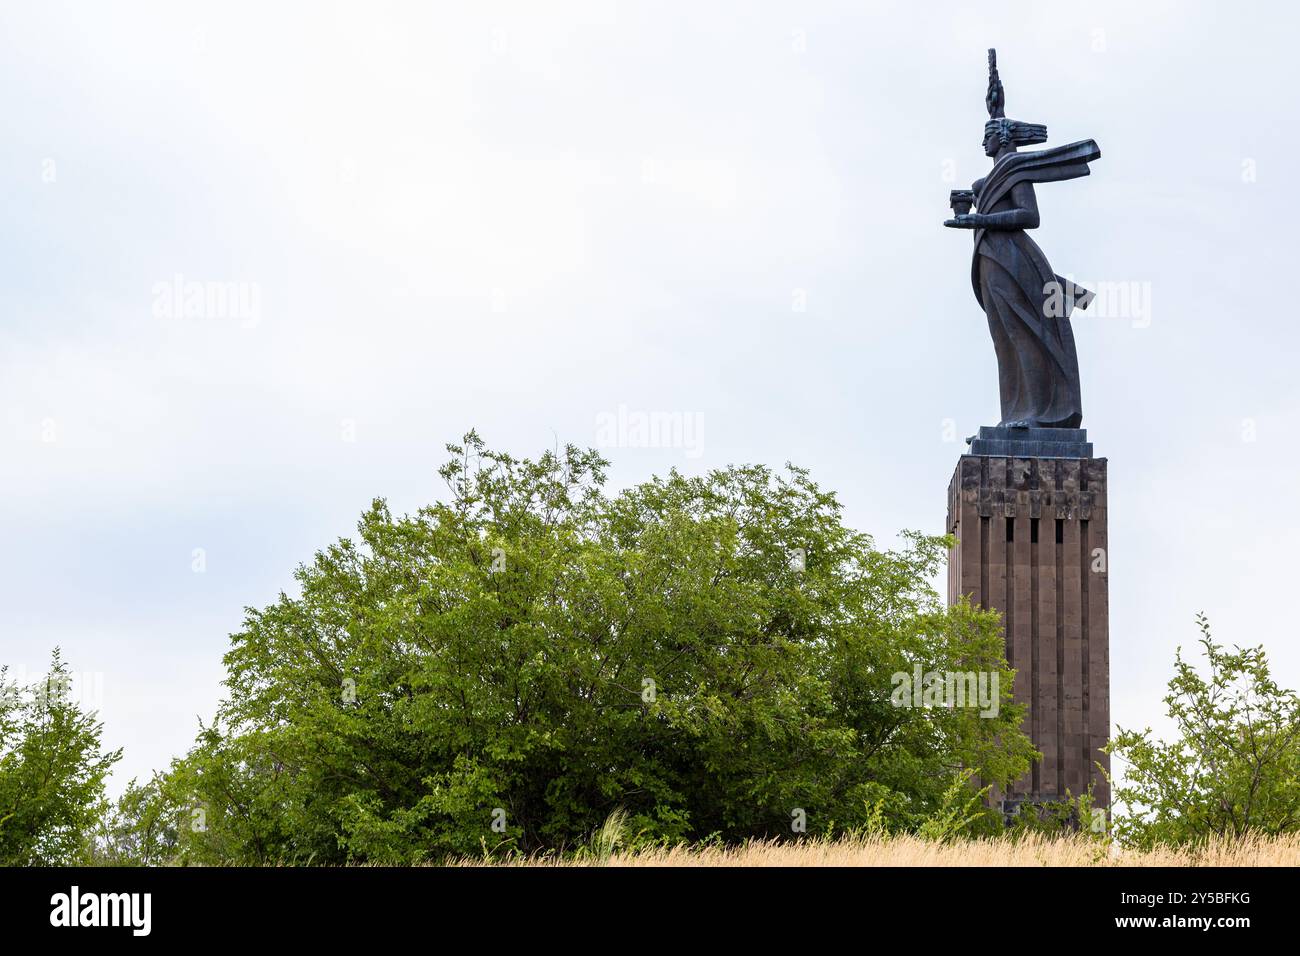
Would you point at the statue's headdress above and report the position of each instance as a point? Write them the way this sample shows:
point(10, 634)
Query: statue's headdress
point(996, 98)
point(1010, 132)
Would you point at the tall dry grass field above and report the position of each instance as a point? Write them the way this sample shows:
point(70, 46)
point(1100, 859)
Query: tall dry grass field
point(912, 851)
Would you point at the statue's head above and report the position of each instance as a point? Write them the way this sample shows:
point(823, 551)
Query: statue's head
point(1001, 133)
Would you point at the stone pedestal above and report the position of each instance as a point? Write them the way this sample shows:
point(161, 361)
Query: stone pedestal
point(1028, 508)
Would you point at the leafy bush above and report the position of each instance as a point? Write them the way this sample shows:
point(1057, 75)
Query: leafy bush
point(504, 670)
point(52, 770)
point(1234, 767)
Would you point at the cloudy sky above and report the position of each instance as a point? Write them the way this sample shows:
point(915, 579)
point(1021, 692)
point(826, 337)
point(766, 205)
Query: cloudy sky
point(526, 217)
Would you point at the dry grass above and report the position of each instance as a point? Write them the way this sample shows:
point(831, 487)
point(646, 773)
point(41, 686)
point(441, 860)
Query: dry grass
point(911, 851)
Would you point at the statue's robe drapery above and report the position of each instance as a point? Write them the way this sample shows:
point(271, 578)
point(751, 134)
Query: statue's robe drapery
point(1027, 304)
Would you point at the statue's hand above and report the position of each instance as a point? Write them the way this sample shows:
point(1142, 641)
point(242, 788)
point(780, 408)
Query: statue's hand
point(966, 221)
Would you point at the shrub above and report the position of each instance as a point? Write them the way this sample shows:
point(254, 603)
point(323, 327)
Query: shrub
point(505, 669)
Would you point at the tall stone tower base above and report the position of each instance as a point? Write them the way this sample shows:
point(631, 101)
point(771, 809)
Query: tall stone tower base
point(1028, 508)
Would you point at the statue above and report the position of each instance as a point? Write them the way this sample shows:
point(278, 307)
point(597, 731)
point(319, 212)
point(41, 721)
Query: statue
point(1027, 304)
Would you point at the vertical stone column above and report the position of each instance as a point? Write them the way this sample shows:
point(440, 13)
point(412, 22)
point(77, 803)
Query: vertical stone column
point(1032, 545)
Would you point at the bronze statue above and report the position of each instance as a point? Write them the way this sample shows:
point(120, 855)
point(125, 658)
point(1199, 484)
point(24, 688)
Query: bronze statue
point(1027, 304)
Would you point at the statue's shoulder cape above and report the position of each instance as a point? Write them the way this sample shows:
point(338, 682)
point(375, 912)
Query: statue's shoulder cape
point(1040, 166)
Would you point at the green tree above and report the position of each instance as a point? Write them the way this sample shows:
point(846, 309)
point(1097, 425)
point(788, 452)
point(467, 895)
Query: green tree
point(1234, 766)
point(140, 829)
point(52, 771)
point(712, 655)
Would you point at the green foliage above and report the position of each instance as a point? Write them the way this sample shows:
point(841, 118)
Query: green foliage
point(1070, 814)
point(52, 770)
point(139, 829)
point(961, 813)
point(1234, 767)
point(709, 654)
point(608, 838)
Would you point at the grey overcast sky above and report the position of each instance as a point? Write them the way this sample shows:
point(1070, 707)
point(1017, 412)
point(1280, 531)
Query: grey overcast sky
point(524, 217)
